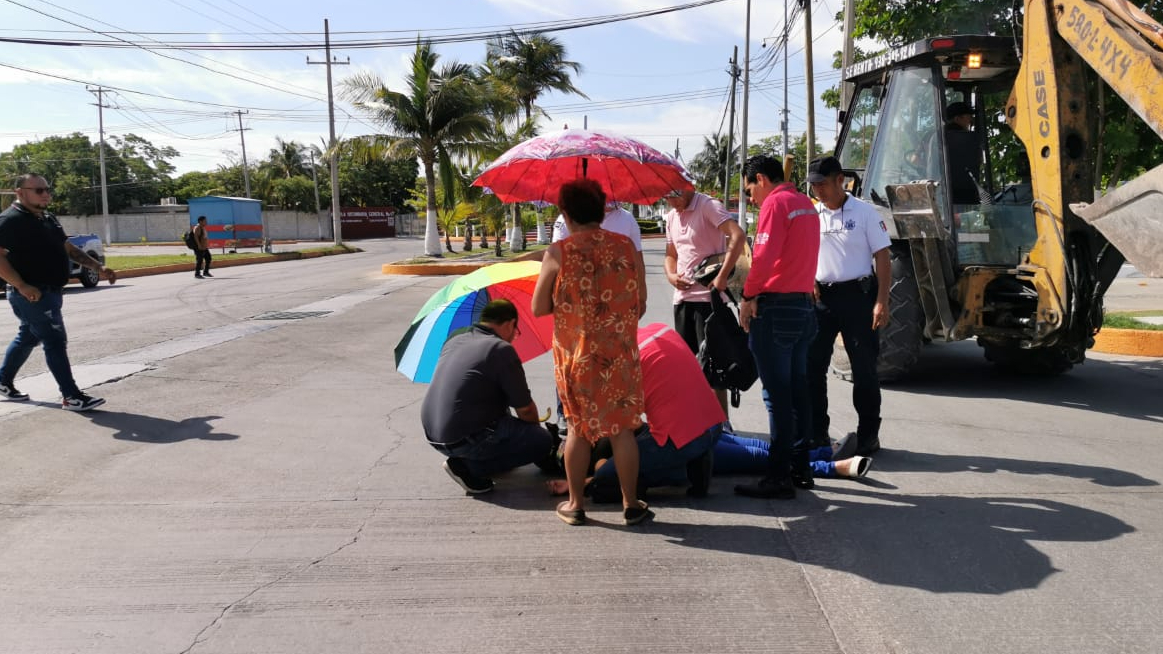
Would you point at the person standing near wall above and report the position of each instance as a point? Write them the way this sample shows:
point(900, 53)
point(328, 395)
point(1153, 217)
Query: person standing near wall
point(202, 252)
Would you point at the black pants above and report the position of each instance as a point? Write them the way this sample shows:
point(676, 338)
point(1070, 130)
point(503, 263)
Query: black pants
point(202, 255)
point(846, 309)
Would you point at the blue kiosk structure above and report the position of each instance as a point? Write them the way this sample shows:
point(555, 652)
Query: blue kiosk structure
point(230, 222)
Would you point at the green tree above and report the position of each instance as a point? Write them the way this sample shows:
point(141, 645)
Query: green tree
point(710, 165)
point(137, 172)
point(897, 22)
point(438, 117)
point(286, 158)
point(531, 65)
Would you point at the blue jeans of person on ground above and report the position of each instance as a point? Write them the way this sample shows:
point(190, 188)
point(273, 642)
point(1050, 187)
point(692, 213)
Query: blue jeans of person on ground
point(511, 443)
point(846, 309)
point(659, 465)
point(739, 455)
point(780, 335)
point(41, 323)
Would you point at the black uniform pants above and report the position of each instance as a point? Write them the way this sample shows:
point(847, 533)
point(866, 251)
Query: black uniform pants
point(845, 308)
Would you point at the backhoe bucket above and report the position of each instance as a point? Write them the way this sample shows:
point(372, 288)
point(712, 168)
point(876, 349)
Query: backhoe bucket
point(1131, 218)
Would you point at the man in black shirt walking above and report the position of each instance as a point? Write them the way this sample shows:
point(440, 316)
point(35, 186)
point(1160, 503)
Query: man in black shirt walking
point(34, 261)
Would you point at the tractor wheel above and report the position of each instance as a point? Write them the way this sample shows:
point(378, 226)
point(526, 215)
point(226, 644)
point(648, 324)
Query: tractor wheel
point(901, 340)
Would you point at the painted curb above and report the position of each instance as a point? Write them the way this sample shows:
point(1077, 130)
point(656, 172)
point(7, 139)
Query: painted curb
point(1135, 342)
point(450, 268)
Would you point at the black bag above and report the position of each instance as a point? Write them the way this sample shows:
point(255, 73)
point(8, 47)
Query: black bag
point(725, 354)
point(188, 239)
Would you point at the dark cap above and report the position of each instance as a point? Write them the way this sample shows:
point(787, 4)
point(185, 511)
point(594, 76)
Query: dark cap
point(821, 169)
point(956, 109)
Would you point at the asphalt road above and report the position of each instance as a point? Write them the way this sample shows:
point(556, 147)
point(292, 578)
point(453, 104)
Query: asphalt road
point(260, 485)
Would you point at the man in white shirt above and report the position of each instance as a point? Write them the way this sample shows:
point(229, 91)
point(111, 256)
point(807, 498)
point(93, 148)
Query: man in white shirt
point(851, 300)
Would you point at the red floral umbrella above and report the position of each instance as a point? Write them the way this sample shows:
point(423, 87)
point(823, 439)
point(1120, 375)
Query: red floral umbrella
point(628, 170)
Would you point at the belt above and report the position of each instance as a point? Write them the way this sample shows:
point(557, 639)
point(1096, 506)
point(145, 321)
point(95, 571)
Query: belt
point(859, 280)
point(447, 448)
point(786, 296)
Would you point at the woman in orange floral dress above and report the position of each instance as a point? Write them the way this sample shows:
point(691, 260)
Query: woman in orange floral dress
point(594, 285)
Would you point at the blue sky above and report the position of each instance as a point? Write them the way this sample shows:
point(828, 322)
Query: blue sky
point(660, 79)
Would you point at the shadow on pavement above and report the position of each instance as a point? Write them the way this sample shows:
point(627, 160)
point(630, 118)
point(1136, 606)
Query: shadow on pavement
point(896, 460)
point(960, 370)
point(941, 544)
point(148, 429)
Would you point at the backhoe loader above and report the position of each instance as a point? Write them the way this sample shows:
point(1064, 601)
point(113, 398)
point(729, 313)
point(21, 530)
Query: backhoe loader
point(996, 232)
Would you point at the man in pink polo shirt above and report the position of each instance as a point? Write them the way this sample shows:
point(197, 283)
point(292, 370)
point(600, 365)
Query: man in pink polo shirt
point(779, 315)
point(697, 227)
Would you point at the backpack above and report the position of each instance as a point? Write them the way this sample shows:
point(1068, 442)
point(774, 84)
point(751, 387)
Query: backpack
point(188, 239)
point(725, 354)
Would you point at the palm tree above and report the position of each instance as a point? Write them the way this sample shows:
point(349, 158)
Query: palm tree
point(710, 165)
point(531, 65)
point(287, 158)
point(437, 118)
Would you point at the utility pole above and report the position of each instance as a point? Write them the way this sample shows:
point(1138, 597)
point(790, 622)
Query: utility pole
point(329, 61)
point(786, 112)
point(734, 72)
point(104, 187)
point(315, 181)
point(848, 53)
point(808, 72)
point(743, 119)
point(245, 167)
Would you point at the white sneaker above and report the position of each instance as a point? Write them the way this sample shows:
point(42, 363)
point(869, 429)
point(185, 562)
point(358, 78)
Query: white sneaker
point(81, 402)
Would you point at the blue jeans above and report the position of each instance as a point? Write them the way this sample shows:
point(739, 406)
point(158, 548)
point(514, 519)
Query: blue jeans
point(41, 323)
point(780, 335)
point(738, 455)
point(659, 465)
point(512, 443)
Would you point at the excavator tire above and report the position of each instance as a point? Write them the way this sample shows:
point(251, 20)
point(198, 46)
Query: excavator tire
point(902, 338)
point(1040, 362)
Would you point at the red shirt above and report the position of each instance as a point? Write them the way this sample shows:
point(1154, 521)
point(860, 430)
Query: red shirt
point(787, 244)
point(680, 404)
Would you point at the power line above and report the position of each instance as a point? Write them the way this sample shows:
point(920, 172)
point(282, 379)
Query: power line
point(356, 44)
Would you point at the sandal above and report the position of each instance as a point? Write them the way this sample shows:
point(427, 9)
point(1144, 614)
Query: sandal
point(574, 517)
point(636, 514)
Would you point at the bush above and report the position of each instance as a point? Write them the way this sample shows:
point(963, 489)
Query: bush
point(649, 227)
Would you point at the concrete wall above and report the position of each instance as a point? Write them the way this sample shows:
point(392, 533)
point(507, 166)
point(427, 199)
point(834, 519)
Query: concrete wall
point(161, 224)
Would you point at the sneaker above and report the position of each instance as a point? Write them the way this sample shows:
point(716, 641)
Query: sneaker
point(207, 274)
point(197, 276)
point(868, 447)
point(768, 488)
point(9, 391)
point(81, 402)
point(845, 447)
point(473, 485)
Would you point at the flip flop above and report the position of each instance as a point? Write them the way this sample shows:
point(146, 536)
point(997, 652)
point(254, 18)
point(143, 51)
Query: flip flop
point(574, 518)
point(636, 514)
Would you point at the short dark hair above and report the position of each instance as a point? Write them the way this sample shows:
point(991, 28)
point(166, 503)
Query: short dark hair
point(762, 163)
point(956, 109)
point(499, 312)
point(201, 218)
point(21, 179)
point(583, 200)
point(823, 169)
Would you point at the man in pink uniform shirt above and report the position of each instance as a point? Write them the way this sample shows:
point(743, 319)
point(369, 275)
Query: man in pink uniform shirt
point(779, 315)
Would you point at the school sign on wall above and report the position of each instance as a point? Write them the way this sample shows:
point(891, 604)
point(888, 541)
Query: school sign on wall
point(368, 222)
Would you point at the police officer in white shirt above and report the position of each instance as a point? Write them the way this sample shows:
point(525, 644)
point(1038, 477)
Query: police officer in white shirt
point(853, 275)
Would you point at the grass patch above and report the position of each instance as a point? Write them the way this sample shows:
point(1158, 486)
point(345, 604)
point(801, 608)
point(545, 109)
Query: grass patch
point(153, 260)
point(131, 262)
point(1126, 320)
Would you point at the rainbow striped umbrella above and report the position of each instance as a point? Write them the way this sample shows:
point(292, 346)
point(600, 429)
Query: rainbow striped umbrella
point(457, 306)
